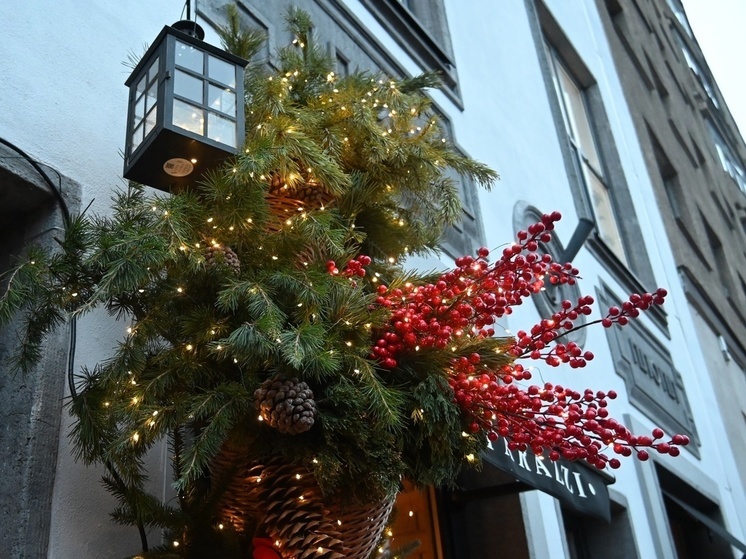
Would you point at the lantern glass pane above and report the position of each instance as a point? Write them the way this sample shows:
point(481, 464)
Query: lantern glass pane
point(137, 137)
point(141, 85)
point(188, 86)
point(139, 109)
point(221, 129)
point(190, 57)
point(222, 99)
point(188, 117)
point(151, 96)
point(153, 71)
point(150, 120)
point(221, 71)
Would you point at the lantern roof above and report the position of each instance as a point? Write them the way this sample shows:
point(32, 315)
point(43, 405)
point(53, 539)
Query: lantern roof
point(186, 38)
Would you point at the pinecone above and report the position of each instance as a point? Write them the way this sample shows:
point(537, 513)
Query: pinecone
point(293, 512)
point(216, 255)
point(286, 405)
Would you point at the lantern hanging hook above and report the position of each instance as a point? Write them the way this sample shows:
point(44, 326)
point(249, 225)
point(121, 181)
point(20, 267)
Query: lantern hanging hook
point(188, 5)
point(188, 26)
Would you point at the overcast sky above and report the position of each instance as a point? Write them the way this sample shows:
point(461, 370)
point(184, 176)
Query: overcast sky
point(718, 26)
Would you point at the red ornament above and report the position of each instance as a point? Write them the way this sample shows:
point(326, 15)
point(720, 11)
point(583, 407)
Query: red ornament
point(264, 549)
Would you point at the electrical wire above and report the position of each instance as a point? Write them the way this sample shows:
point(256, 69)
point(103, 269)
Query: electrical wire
point(57, 192)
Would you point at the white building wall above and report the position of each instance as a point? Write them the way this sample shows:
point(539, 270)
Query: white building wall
point(65, 104)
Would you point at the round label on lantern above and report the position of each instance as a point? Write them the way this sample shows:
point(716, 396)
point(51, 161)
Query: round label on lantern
point(178, 167)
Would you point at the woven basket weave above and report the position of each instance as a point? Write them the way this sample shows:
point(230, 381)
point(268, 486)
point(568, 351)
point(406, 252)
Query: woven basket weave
point(286, 505)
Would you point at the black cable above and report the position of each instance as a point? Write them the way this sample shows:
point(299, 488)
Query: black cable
point(57, 191)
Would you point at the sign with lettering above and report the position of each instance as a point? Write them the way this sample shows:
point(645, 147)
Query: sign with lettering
point(575, 484)
point(654, 386)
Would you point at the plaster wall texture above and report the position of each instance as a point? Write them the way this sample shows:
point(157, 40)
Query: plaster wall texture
point(64, 79)
point(506, 123)
point(65, 104)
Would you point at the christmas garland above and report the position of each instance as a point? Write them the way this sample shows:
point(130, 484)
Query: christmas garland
point(246, 339)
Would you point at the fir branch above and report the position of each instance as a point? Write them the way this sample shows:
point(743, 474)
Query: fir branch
point(218, 410)
point(298, 344)
point(238, 39)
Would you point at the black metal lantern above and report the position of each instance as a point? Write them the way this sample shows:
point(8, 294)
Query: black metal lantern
point(185, 113)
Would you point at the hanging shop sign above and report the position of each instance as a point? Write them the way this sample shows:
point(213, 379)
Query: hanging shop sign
point(578, 486)
point(653, 385)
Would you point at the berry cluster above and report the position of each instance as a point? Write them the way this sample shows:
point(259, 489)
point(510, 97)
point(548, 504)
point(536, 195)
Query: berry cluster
point(355, 267)
point(467, 300)
point(566, 423)
point(464, 303)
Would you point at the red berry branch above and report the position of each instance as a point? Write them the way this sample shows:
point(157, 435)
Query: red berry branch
point(464, 303)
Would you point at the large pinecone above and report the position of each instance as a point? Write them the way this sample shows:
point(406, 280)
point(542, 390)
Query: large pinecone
point(216, 255)
point(286, 404)
point(294, 513)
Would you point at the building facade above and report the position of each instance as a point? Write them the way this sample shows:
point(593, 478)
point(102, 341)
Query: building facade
point(694, 155)
point(540, 91)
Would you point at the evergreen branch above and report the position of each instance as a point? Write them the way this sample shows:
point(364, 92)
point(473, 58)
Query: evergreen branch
point(238, 39)
point(220, 408)
point(298, 344)
point(385, 403)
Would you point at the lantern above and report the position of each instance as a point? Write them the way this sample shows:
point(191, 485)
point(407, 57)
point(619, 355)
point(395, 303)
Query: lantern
point(185, 113)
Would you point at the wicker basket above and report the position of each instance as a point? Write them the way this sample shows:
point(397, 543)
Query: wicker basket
point(285, 504)
point(287, 200)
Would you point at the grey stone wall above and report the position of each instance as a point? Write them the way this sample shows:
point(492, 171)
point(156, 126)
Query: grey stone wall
point(31, 406)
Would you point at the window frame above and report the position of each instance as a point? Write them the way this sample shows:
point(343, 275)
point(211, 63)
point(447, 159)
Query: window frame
point(586, 154)
point(421, 29)
point(637, 275)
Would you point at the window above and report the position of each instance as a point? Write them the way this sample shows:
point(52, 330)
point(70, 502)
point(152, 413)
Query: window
point(580, 134)
point(694, 521)
point(694, 66)
point(588, 537)
point(669, 177)
point(721, 263)
point(420, 27)
point(678, 11)
point(730, 164)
